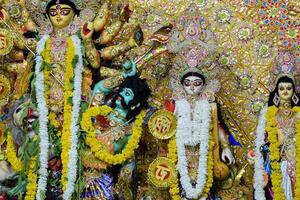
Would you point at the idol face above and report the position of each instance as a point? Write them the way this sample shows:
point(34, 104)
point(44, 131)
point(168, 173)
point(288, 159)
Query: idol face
point(61, 15)
point(124, 97)
point(193, 85)
point(24, 116)
point(285, 91)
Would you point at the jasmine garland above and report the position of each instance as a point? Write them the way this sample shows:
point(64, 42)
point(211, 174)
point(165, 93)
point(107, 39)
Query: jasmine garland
point(193, 132)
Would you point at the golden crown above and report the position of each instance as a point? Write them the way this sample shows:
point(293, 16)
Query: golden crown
point(286, 64)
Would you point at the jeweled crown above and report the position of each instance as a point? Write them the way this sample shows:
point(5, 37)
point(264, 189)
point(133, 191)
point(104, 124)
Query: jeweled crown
point(192, 42)
point(285, 65)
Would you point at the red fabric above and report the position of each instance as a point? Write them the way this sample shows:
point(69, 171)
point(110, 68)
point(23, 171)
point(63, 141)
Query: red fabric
point(86, 30)
point(3, 196)
point(170, 106)
point(1, 13)
point(103, 121)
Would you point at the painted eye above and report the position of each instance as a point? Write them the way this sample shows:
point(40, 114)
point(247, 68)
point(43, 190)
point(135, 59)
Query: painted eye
point(127, 93)
point(289, 88)
point(18, 109)
point(53, 13)
point(198, 83)
point(65, 12)
point(281, 88)
point(187, 83)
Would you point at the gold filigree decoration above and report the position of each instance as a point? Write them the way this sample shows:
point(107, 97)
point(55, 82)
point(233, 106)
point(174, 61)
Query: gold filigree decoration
point(162, 124)
point(4, 89)
point(161, 172)
point(6, 42)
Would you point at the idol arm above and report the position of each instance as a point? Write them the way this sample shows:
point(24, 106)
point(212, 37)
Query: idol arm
point(107, 85)
point(101, 18)
point(106, 72)
point(110, 32)
point(91, 53)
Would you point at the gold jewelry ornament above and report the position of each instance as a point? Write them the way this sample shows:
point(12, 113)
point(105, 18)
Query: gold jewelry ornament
point(162, 172)
point(2, 133)
point(4, 88)
point(162, 124)
point(6, 42)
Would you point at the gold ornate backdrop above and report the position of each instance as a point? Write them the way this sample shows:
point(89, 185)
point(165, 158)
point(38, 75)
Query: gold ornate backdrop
point(249, 34)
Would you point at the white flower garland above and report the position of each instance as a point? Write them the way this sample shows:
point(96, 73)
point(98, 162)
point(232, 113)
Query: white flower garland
point(193, 133)
point(73, 154)
point(43, 120)
point(259, 161)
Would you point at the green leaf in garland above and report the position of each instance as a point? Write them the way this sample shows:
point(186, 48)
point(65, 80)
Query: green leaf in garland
point(75, 60)
point(66, 179)
point(24, 152)
point(70, 100)
point(48, 65)
point(31, 62)
point(42, 195)
point(55, 141)
point(35, 126)
point(42, 67)
point(72, 83)
point(79, 186)
point(38, 38)
point(85, 62)
point(19, 188)
point(32, 148)
point(83, 106)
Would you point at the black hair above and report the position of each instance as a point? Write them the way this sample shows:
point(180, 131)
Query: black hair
point(284, 79)
point(66, 2)
point(141, 93)
point(192, 74)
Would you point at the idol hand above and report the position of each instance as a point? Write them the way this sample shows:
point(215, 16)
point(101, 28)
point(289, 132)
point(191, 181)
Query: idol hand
point(227, 156)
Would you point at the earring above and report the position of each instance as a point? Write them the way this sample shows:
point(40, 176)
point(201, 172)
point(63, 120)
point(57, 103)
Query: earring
point(276, 99)
point(295, 98)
